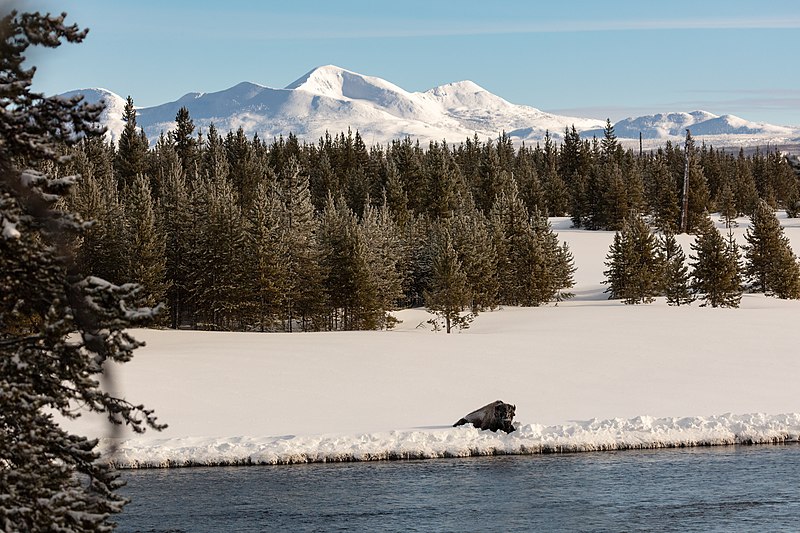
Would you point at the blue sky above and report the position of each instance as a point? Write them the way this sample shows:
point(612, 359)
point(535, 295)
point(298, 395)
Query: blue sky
point(584, 57)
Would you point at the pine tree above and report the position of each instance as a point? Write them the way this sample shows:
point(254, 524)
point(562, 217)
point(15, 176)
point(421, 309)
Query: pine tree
point(323, 180)
point(513, 239)
point(727, 206)
point(557, 198)
point(449, 295)
point(444, 182)
point(301, 299)
point(664, 196)
point(615, 203)
point(699, 198)
point(528, 183)
point(267, 273)
point(676, 273)
point(216, 153)
point(770, 264)
point(185, 143)
point(553, 276)
point(349, 284)
point(215, 276)
point(395, 195)
point(491, 180)
point(715, 268)
point(102, 250)
point(178, 227)
point(619, 261)
point(381, 236)
point(132, 149)
point(472, 240)
point(635, 268)
point(58, 329)
point(609, 143)
point(746, 192)
point(793, 200)
point(241, 166)
point(145, 259)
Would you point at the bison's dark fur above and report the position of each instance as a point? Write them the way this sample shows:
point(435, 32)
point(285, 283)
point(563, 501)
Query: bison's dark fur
point(494, 416)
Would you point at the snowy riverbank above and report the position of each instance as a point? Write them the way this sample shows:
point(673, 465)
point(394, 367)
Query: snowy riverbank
point(593, 435)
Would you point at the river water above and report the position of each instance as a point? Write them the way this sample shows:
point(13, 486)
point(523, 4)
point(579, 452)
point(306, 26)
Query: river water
point(724, 488)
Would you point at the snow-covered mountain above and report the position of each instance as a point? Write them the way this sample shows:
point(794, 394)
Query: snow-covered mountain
point(111, 116)
point(333, 99)
point(701, 123)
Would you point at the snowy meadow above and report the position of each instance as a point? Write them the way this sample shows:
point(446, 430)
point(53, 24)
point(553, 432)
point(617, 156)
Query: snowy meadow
point(585, 374)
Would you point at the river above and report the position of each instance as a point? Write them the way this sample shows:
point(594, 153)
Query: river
point(722, 488)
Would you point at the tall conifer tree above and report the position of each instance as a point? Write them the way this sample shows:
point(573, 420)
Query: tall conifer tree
point(770, 264)
point(145, 256)
point(676, 272)
point(132, 148)
point(715, 268)
point(449, 295)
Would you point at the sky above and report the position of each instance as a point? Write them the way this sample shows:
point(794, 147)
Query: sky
point(583, 58)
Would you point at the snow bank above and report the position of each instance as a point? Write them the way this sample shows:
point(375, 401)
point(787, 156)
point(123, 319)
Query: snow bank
point(593, 435)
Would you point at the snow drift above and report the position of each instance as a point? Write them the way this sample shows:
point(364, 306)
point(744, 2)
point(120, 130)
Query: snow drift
point(593, 435)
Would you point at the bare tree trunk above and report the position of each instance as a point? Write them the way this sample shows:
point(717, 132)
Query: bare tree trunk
point(685, 199)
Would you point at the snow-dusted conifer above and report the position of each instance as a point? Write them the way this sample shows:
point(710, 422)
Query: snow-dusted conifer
point(215, 276)
point(448, 296)
point(58, 329)
point(553, 276)
point(715, 268)
point(383, 249)
point(676, 272)
point(241, 166)
point(444, 182)
point(770, 264)
point(513, 241)
point(663, 199)
point(745, 185)
point(472, 241)
point(145, 251)
point(301, 299)
point(349, 285)
point(174, 216)
point(185, 143)
point(609, 143)
point(726, 204)
point(101, 247)
point(265, 268)
point(635, 268)
point(699, 196)
point(132, 149)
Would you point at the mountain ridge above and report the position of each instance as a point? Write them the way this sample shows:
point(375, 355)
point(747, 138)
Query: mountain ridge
point(333, 99)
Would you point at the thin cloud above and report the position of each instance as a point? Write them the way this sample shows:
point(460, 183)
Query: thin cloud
point(443, 28)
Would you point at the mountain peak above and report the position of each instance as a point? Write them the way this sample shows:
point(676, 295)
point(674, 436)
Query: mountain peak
point(323, 77)
point(462, 87)
point(342, 84)
point(466, 94)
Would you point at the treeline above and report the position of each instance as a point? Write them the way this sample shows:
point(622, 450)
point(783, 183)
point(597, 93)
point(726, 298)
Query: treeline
point(238, 233)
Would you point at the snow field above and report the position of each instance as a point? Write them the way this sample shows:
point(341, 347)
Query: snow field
point(587, 374)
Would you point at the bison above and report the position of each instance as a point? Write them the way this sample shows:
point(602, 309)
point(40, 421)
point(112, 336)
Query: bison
point(494, 416)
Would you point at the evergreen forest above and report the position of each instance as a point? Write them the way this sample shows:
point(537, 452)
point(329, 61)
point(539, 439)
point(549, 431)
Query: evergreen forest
point(238, 233)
